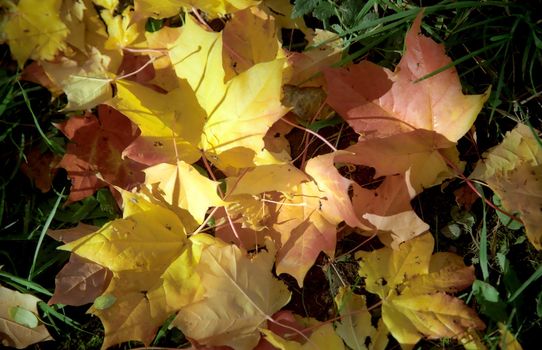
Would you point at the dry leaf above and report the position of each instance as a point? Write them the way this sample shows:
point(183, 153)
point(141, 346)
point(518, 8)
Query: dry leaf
point(13, 330)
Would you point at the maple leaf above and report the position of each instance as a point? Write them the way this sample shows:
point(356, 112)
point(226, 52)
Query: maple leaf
point(397, 101)
point(338, 206)
point(34, 30)
point(248, 38)
point(73, 14)
point(304, 231)
point(85, 79)
point(182, 186)
point(513, 171)
point(168, 131)
point(152, 261)
point(40, 168)
point(19, 320)
point(355, 326)
point(239, 112)
point(413, 284)
point(168, 8)
point(250, 199)
point(120, 29)
point(96, 150)
point(241, 295)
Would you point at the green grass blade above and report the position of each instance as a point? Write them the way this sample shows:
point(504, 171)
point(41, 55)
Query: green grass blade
point(484, 265)
point(25, 283)
point(52, 145)
point(42, 235)
point(536, 275)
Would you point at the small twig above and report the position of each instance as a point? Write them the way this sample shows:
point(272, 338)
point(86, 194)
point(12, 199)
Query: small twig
point(200, 19)
point(310, 132)
point(149, 62)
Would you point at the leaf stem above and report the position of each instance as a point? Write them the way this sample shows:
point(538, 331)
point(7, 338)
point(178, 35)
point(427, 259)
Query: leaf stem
point(310, 132)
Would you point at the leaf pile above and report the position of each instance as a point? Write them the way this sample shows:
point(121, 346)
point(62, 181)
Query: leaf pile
point(189, 127)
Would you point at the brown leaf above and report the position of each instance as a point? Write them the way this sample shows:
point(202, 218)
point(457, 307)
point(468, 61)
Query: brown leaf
point(80, 282)
point(40, 168)
point(93, 158)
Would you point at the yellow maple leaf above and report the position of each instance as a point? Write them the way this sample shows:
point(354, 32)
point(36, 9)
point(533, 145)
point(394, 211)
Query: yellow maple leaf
point(513, 171)
point(249, 38)
point(20, 326)
point(153, 264)
point(34, 30)
point(239, 112)
point(181, 185)
point(85, 79)
point(120, 29)
point(412, 286)
point(169, 131)
point(241, 295)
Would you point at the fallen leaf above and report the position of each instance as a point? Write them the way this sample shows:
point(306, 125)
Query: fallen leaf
point(153, 263)
point(73, 13)
point(85, 79)
point(95, 150)
point(304, 231)
point(337, 207)
point(80, 282)
point(121, 31)
point(12, 328)
point(241, 295)
point(248, 38)
point(40, 168)
point(239, 112)
point(421, 152)
point(355, 326)
point(282, 11)
point(513, 171)
point(34, 30)
point(182, 186)
point(34, 72)
point(413, 284)
point(397, 102)
point(169, 131)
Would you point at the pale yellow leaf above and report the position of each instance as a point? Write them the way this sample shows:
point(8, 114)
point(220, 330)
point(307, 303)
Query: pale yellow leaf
point(183, 186)
point(241, 294)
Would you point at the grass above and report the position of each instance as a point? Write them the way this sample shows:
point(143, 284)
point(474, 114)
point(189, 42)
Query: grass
point(492, 43)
